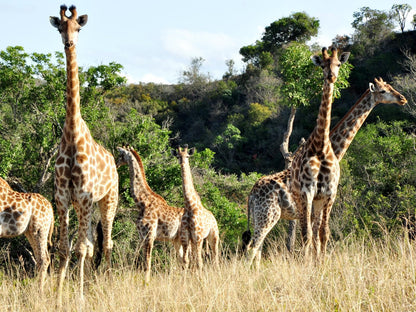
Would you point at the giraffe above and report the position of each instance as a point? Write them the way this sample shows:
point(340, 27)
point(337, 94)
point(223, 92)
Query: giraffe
point(30, 214)
point(271, 197)
point(84, 171)
point(316, 169)
point(299, 186)
point(197, 223)
point(157, 220)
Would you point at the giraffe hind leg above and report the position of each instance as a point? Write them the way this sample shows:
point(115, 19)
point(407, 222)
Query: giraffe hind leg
point(108, 208)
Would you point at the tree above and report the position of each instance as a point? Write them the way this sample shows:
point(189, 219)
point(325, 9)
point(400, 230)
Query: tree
point(299, 27)
point(371, 26)
point(302, 82)
point(414, 22)
point(400, 13)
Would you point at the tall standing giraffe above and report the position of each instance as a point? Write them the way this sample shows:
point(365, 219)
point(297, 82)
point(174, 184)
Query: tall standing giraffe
point(84, 171)
point(198, 223)
point(157, 220)
point(316, 169)
point(30, 214)
point(270, 198)
point(313, 177)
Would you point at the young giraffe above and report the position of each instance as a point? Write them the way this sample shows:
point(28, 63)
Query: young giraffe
point(30, 214)
point(271, 197)
point(198, 223)
point(313, 161)
point(84, 171)
point(157, 220)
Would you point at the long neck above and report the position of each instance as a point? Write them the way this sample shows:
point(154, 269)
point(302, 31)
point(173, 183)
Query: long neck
point(321, 131)
point(72, 86)
point(189, 192)
point(138, 183)
point(345, 130)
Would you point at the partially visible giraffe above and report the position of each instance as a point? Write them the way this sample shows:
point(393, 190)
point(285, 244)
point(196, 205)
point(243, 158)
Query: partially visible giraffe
point(84, 171)
point(271, 197)
point(30, 214)
point(198, 223)
point(157, 220)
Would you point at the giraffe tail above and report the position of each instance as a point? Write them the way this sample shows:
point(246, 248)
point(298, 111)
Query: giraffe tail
point(50, 234)
point(246, 237)
point(100, 238)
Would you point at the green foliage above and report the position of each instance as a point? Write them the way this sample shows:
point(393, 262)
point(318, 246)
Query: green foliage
point(378, 179)
point(302, 80)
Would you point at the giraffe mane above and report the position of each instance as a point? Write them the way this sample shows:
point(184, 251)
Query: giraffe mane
point(349, 111)
point(139, 160)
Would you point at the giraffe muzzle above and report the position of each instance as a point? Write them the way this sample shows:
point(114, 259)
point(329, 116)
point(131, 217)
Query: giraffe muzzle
point(69, 44)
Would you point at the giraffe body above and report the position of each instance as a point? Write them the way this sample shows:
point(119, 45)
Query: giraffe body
point(30, 214)
point(270, 190)
point(157, 220)
point(84, 171)
point(198, 223)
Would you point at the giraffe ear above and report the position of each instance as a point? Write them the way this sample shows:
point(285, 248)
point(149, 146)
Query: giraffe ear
point(191, 151)
point(344, 57)
point(371, 87)
point(316, 59)
point(174, 152)
point(82, 20)
point(55, 22)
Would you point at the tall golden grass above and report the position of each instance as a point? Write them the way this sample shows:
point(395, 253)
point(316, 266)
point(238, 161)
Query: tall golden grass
point(366, 275)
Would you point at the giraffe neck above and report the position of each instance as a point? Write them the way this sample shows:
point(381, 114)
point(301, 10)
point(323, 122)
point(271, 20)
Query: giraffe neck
point(321, 131)
point(345, 130)
point(73, 113)
point(190, 195)
point(138, 183)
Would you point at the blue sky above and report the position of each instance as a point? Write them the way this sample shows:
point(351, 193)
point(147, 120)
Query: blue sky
point(156, 40)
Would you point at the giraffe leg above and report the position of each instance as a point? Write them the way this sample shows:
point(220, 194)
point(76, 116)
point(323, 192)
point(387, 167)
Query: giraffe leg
point(305, 220)
point(316, 225)
point(38, 239)
point(198, 253)
point(263, 223)
point(324, 231)
point(148, 247)
point(214, 240)
point(84, 247)
point(108, 208)
point(178, 249)
point(62, 205)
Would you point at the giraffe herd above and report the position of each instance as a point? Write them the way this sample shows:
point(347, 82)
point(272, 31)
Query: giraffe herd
point(85, 173)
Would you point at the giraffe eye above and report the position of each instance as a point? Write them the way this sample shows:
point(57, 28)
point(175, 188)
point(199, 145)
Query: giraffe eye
point(383, 91)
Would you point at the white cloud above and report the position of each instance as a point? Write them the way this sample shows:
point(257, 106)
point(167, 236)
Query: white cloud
point(188, 44)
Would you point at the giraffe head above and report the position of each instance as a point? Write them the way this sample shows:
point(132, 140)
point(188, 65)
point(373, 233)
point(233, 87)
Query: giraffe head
point(384, 93)
point(330, 63)
point(69, 27)
point(124, 157)
point(183, 153)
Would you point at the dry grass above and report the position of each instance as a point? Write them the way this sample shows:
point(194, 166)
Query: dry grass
point(355, 276)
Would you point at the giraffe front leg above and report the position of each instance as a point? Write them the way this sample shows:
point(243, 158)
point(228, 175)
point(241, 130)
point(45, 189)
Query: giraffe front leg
point(62, 209)
point(324, 230)
point(305, 205)
point(84, 247)
point(197, 248)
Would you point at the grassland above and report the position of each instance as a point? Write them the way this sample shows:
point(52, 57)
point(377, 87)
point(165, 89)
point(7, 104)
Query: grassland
point(364, 275)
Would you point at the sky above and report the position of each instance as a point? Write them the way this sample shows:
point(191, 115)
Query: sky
point(155, 41)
